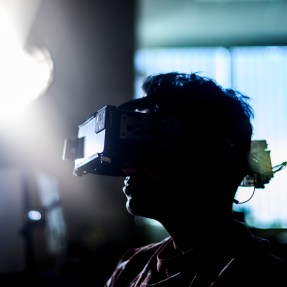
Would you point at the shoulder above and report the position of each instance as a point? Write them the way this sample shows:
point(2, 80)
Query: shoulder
point(257, 270)
point(133, 262)
point(144, 251)
point(258, 266)
point(254, 263)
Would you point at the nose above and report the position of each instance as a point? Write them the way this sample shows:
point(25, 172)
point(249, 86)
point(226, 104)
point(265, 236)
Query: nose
point(126, 180)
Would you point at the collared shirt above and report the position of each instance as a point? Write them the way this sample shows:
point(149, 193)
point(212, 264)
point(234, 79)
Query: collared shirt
point(241, 260)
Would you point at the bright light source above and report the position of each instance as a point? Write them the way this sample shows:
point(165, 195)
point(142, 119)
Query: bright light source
point(23, 76)
point(34, 215)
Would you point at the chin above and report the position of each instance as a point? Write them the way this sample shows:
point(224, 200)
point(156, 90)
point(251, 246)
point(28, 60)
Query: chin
point(136, 210)
point(129, 209)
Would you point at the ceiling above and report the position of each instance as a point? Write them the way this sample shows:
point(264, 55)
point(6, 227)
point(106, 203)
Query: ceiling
point(194, 22)
point(211, 22)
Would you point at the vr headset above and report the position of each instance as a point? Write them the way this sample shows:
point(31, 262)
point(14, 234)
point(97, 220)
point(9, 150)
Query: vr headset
point(113, 138)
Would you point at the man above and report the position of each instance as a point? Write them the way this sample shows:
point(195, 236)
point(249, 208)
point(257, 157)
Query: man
point(188, 183)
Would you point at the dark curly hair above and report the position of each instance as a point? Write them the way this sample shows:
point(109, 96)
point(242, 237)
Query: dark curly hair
point(211, 116)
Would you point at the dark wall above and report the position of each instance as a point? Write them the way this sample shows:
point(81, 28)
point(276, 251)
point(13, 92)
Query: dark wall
point(91, 44)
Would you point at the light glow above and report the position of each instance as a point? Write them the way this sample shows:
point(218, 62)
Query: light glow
point(34, 215)
point(23, 76)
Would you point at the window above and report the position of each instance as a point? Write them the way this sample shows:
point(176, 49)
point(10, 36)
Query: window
point(260, 73)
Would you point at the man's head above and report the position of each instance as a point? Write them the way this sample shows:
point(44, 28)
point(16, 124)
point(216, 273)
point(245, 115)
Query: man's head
point(205, 133)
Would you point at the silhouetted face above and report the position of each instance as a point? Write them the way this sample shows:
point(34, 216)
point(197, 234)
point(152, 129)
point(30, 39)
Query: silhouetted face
point(193, 182)
point(187, 179)
point(148, 191)
point(161, 190)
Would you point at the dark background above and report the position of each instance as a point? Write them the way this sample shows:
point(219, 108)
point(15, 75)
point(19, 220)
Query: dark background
point(92, 44)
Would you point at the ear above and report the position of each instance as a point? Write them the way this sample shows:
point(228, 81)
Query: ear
point(224, 154)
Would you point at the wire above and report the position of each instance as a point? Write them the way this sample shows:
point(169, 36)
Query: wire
point(241, 202)
point(275, 169)
point(279, 167)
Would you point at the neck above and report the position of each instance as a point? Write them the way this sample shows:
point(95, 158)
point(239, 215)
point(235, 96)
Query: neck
point(188, 236)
